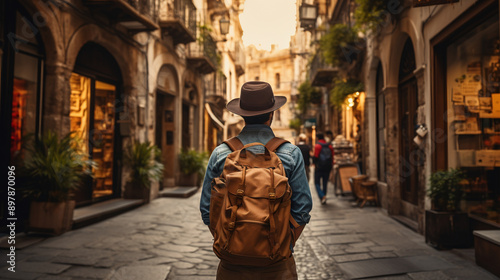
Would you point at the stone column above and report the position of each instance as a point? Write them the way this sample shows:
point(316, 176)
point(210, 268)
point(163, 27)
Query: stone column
point(392, 148)
point(56, 97)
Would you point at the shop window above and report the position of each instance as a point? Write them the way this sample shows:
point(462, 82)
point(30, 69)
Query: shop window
point(94, 123)
point(24, 100)
point(473, 91)
point(26, 84)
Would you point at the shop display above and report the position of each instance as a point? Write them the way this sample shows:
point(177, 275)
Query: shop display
point(474, 103)
point(100, 133)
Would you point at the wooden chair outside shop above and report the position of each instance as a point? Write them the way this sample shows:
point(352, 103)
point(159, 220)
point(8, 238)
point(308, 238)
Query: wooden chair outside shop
point(363, 191)
point(355, 182)
point(370, 193)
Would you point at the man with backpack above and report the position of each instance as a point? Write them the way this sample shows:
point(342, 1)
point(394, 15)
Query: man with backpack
point(323, 164)
point(255, 197)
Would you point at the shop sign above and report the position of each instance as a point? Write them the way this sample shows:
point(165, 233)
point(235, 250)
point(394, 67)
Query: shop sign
point(423, 3)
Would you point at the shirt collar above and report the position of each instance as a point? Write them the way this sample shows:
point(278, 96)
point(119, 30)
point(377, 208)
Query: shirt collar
point(256, 127)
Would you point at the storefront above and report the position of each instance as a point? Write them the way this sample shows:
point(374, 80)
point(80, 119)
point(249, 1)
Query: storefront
point(466, 108)
point(95, 83)
point(22, 60)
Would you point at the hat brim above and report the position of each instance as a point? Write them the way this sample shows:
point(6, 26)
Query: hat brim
point(234, 107)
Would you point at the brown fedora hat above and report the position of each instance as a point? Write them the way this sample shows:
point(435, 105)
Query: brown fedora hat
point(256, 98)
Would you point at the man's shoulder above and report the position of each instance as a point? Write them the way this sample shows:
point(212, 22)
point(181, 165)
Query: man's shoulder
point(221, 150)
point(286, 147)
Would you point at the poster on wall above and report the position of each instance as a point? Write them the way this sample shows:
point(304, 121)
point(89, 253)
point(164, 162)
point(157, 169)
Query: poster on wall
point(485, 103)
point(456, 96)
point(472, 102)
point(494, 112)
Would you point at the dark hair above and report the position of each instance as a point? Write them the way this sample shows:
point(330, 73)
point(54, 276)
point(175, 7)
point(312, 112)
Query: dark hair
point(320, 136)
point(329, 132)
point(259, 119)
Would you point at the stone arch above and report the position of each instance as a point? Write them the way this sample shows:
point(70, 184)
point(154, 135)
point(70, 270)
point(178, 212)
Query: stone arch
point(50, 30)
point(406, 30)
point(93, 33)
point(167, 80)
point(160, 61)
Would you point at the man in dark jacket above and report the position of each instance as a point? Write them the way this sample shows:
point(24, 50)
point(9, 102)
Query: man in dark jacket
point(323, 164)
point(305, 149)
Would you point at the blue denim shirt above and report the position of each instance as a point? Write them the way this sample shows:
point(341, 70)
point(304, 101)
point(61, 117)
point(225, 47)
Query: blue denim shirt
point(289, 155)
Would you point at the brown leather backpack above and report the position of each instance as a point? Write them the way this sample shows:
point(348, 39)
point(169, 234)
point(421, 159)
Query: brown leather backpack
point(250, 207)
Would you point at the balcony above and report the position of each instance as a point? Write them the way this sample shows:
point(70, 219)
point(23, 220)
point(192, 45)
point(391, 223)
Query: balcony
point(239, 58)
point(135, 15)
point(320, 73)
point(179, 22)
point(203, 54)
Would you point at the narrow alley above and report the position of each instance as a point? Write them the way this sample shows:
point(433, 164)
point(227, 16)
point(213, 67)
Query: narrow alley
point(167, 240)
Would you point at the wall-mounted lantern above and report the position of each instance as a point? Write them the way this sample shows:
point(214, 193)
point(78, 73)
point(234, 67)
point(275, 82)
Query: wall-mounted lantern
point(307, 16)
point(224, 26)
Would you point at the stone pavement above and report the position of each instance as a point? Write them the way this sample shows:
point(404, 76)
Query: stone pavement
point(167, 240)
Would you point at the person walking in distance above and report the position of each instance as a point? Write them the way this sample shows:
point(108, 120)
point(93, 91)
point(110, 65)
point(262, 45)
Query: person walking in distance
point(255, 196)
point(306, 153)
point(323, 164)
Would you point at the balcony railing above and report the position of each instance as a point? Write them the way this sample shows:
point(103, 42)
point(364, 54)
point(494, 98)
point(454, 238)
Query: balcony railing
point(239, 58)
point(320, 73)
point(203, 54)
point(135, 15)
point(179, 22)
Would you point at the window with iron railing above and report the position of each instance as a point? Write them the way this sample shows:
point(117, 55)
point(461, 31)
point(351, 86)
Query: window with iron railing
point(185, 10)
point(146, 7)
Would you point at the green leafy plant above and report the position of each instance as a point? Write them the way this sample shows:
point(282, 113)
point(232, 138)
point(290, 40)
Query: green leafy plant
point(369, 14)
point(445, 190)
point(144, 161)
point(340, 44)
point(307, 95)
point(55, 167)
point(342, 89)
point(191, 162)
point(295, 124)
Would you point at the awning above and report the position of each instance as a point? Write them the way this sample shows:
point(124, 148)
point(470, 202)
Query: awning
point(212, 116)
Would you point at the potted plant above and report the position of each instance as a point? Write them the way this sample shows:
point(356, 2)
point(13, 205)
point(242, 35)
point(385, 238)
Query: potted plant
point(192, 166)
point(144, 162)
point(445, 225)
point(53, 169)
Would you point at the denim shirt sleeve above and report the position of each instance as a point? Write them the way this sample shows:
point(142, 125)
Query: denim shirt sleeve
point(301, 194)
point(214, 170)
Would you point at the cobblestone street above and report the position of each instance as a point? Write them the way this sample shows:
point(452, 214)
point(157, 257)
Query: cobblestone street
point(167, 240)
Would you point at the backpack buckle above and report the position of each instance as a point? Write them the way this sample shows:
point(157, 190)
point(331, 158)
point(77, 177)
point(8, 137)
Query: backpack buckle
point(272, 195)
point(240, 192)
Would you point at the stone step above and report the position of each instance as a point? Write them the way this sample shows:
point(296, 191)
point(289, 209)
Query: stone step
point(183, 192)
point(97, 212)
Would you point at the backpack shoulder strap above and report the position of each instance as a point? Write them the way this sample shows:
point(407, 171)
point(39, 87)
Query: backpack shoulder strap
point(234, 144)
point(275, 143)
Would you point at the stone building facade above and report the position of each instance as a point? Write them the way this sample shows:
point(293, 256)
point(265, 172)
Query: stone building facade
point(275, 67)
point(423, 69)
point(116, 72)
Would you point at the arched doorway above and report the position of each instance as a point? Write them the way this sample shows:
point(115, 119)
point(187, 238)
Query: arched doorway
point(94, 83)
point(408, 104)
point(166, 117)
point(190, 118)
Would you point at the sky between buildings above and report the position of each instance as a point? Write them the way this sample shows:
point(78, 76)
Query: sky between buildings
point(267, 22)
